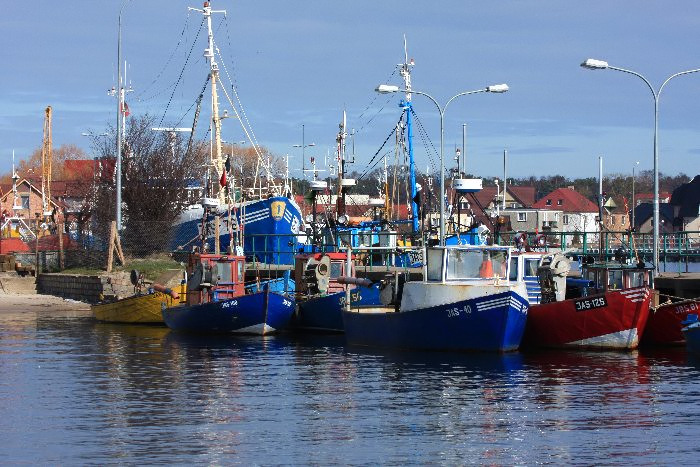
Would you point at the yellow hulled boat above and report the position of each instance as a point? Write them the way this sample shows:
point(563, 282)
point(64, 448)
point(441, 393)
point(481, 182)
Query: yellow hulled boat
point(138, 309)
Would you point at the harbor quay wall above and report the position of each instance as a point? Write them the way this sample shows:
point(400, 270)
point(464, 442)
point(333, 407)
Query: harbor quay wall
point(84, 288)
point(90, 289)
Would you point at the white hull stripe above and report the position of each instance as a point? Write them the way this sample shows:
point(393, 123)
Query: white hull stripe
point(626, 339)
point(256, 219)
point(499, 303)
point(253, 215)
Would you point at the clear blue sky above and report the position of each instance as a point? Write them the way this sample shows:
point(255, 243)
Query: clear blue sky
point(303, 62)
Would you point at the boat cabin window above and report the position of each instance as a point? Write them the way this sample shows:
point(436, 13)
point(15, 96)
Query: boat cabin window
point(531, 265)
point(435, 265)
point(637, 278)
point(513, 275)
point(223, 271)
point(592, 275)
point(615, 279)
point(345, 238)
point(336, 270)
point(365, 239)
point(476, 264)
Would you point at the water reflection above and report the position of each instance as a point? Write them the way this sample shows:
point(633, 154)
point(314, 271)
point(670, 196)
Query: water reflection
point(102, 393)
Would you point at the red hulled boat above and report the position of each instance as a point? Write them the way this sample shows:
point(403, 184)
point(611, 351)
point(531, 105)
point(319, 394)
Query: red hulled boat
point(664, 326)
point(608, 309)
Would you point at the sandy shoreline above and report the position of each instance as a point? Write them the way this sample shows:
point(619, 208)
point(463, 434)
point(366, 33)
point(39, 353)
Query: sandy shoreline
point(41, 304)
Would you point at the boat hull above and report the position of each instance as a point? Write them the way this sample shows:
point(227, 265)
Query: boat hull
point(326, 313)
point(493, 322)
point(664, 325)
point(139, 309)
point(613, 320)
point(259, 313)
point(271, 228)
point(691, 334)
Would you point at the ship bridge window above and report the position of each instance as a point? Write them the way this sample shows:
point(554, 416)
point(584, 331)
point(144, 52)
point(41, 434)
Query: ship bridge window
point(513, 275)
point(336, 270)
point(435, 265)
point(531, 266)
point(476, 264)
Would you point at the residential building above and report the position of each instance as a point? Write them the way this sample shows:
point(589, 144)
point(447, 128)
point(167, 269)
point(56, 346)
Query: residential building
point(578, 213)
point(686, 207)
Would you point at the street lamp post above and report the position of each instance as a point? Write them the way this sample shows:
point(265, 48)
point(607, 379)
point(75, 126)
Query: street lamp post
point(634, 205)
point(386, 89)
point(120, 119)
point(593, 64)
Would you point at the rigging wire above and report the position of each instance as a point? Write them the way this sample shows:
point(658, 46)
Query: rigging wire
point(427, 142)
point(374, 98)
point(167, 62)
point(187, 59)
point(369, 168)
point(246, 126)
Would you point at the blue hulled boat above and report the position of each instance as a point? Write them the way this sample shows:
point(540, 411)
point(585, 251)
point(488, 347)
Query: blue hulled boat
point(691, 332)
point(466, 302)
point(271, 228)
point(260, 313)
point(217, 301)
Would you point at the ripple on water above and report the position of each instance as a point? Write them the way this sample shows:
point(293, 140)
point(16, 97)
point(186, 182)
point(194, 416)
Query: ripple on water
point(95, 393)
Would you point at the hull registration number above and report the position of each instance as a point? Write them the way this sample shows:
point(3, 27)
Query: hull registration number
point(590, 303)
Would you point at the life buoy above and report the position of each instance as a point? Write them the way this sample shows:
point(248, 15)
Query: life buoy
point(540, 240)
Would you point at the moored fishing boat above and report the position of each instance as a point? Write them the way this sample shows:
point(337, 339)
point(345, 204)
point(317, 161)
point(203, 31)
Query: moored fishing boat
point(217, 302)
point(608, 310)
point(665, 322)
point(137, 309)
point(465, 302)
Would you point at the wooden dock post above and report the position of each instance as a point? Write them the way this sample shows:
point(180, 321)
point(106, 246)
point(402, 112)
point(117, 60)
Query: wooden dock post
point(114, 244)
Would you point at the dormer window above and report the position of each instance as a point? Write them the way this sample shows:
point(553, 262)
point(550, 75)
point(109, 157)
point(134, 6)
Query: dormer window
point(560, 202)
point(548, 202)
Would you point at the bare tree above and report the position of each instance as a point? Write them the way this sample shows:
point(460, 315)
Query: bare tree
point(156, 171)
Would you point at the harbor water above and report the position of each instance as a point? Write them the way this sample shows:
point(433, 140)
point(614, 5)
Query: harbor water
point(74, 391)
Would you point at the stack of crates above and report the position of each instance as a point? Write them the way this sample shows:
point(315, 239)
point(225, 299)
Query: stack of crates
point(7, 263)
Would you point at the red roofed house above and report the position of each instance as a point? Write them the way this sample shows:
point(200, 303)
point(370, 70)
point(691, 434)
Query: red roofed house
point(579, 213)
point(519, 209)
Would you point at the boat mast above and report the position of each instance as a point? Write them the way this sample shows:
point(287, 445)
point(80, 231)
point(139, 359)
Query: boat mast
point(405, 70)
point(340, 149)
point(216, 161)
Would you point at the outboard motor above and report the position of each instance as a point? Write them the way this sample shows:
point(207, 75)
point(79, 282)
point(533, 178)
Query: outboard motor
point(552, 277)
